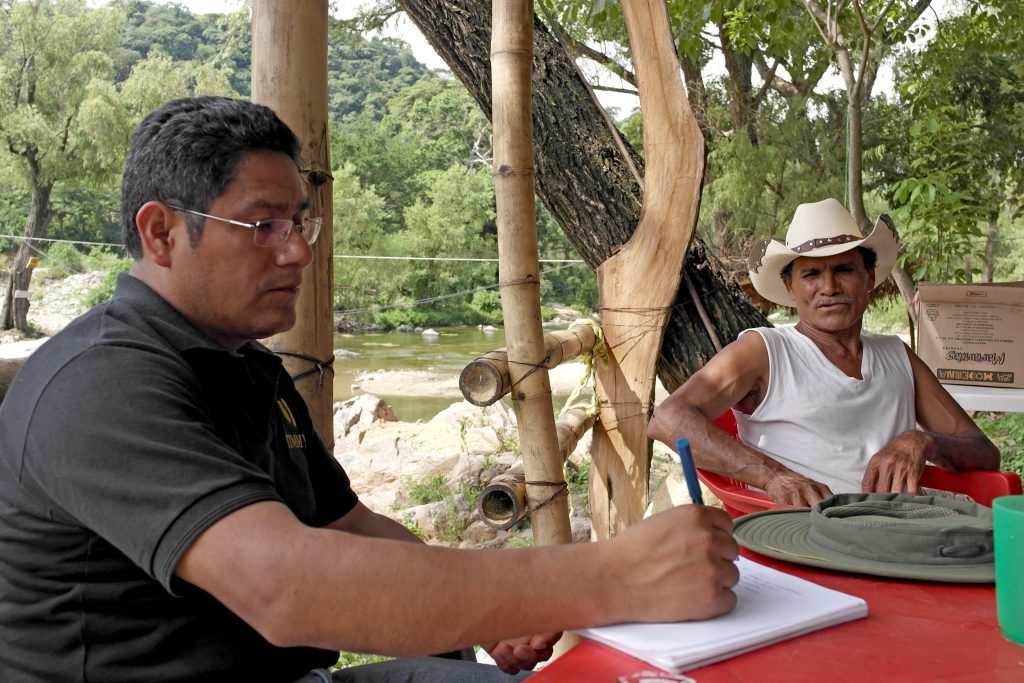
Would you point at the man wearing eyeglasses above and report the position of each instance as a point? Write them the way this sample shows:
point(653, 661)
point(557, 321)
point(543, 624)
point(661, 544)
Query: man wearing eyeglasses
point(167, 512)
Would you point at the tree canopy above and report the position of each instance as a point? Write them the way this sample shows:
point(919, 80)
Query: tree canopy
point(941, 146)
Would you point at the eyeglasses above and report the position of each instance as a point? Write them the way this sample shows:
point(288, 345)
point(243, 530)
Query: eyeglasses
point(270, 232)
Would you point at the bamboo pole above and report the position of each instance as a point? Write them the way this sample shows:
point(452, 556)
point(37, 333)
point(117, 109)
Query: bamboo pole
point(486, 379)
point(502, 502)
point(519, 269)
point(289, 75)
point(639, 283)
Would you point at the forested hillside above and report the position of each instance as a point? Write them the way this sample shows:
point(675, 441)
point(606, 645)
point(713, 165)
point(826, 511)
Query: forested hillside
point(939, 148)
point(411, 150)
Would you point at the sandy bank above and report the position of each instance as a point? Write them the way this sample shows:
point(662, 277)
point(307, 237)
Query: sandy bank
point(563, 378)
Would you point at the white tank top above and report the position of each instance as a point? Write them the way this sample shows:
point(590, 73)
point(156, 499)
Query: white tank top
point(817, 421)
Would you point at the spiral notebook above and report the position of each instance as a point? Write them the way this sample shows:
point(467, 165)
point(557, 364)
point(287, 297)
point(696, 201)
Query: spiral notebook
point(771, 606)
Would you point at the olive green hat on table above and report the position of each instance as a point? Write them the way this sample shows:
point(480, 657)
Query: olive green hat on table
point(882, 534)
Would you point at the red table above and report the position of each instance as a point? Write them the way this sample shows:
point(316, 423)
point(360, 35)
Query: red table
point(915, 631)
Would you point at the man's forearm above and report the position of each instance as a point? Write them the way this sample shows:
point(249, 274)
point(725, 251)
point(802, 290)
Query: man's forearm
point(364, 522)
point(713, 449)
point(438, 598)
point(970, 450)
point(325, 588)
point(337, 590)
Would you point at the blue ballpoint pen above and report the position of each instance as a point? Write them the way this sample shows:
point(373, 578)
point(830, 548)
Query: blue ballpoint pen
point(689, 471)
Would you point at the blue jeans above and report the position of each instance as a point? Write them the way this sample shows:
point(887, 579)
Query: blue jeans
point(415, 670)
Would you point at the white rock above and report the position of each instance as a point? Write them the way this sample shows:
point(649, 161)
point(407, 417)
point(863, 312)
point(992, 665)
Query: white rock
point(358, 413)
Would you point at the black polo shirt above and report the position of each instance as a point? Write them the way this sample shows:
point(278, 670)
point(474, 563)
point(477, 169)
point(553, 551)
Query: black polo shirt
point(121, 440)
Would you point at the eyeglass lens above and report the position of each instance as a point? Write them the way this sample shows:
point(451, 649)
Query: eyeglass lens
point(269, 232)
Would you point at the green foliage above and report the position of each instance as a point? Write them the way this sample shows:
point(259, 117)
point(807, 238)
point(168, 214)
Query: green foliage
point(508, 440)
point(488, 302)
point(83, 211)
point(451, 522)
point(410, 523)
point(432, 125)
point(951, 164)
point(772, 148)
point(448, 214)
point(364, 75)
point(572, 284)
point(939, 229)
point(577, 476)
point(428, 491)
point(1006, 430)
point(359, 212)
point(114, 111)
point(347, 659)
point(1010, 248)
point(414, 151)
point(452, 511)
point(63, 259)
point(107, 259)
point(50, 54)
point(632, 129)
point(428, 315)
point(886, 315)
point(14, 199)
point(105, 290)
point(221, 42)
point(755, 187)
point(75, 97)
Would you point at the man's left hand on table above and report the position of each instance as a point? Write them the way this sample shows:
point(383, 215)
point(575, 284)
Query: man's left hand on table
point(522, 654)
point(898, 466)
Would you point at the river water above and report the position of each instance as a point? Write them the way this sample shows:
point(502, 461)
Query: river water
point(385, 352)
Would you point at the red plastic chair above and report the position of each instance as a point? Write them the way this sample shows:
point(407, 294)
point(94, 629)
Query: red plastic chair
point(981, 485)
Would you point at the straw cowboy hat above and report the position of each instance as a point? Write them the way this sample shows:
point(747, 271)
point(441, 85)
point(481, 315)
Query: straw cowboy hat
point(882, 534)
point(819, 229)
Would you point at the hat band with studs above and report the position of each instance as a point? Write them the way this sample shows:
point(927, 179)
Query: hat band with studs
point(756, 259)
point(824, 242)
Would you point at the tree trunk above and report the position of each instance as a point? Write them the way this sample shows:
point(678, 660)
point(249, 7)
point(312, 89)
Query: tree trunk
point(740, 68)
point(582, 178)
point(875, 44)
point(15, 309)
point(991, 238)
point(905, 284)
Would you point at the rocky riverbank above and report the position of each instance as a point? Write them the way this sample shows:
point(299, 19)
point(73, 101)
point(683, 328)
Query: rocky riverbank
point(396, 466)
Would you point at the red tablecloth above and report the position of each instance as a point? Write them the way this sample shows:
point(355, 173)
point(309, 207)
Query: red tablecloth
point(915, 631)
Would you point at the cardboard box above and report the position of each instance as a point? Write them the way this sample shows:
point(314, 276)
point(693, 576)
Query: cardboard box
point(972, 334)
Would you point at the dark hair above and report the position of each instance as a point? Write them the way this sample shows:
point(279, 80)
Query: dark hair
point(186, 153)
point(868, 256)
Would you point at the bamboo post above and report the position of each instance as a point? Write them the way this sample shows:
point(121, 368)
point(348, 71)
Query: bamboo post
point(502, 502)
point(289, 75)
point(638, 284)
point(519, 268)
point(485, 380)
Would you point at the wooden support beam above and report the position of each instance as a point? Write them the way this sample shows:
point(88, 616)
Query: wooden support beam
point(502, 503)
point(519, 268)
point(638, 284)
point(485, 380)
point(289, 75)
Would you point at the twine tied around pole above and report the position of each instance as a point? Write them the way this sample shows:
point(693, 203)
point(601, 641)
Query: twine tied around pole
point(600, 352)
point(319, 366)
point(561, 489)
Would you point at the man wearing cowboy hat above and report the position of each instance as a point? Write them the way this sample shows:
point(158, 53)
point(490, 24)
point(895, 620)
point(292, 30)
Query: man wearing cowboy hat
point(821, 407)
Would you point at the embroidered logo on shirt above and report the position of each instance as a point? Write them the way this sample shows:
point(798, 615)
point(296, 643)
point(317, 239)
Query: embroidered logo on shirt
point(294, 437)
